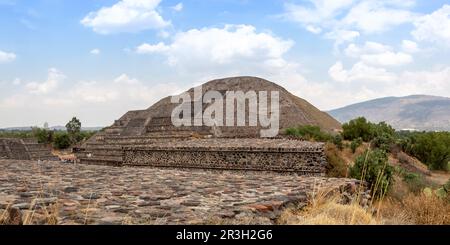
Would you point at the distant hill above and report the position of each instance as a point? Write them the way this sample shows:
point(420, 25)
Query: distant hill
point(415, 112)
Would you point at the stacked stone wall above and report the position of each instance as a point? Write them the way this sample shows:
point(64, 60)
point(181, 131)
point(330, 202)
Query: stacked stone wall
point(4, 150)
point(24, 149)
point(231, 154)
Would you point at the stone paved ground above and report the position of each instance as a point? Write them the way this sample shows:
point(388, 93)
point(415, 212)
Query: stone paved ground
point(83, 194)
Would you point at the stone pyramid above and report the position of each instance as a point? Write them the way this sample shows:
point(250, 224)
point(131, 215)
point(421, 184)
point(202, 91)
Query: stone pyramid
point(148, 137)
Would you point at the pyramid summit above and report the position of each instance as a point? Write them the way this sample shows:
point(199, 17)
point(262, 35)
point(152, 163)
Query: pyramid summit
point(294, 111)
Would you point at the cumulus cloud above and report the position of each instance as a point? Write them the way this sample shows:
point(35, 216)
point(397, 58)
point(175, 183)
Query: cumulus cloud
point(6, 57)
point(362, 82)
point(376, 16)
point(95, 51)
point(146, 48)
point(97, 103)
point(377, 54)
point(359, 72)
point(321, 13)
point(126, 16)
point(200, 55)
point(178, 7)
point(345, 20)
point(434, 27)
point(54, 78)
point(17, 82)
point(199, 49)
point(341, 37)
point(409, 46)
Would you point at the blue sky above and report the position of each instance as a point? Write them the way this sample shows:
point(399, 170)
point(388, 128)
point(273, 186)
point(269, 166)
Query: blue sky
point(97, 59)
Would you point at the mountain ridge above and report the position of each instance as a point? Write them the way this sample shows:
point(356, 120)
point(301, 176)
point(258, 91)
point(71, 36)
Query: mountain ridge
point(413, 112)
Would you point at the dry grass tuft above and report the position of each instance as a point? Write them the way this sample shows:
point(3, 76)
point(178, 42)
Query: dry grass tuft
point(416, 209)
point(244, 220)
point(338, 167)
point(328, 210)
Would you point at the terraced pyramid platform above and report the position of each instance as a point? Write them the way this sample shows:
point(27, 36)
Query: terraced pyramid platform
point(148, 137)
point(25, 149)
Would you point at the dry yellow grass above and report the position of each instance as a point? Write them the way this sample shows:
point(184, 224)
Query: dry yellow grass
point(326, 209)
point(416, 209)
point(331, 213)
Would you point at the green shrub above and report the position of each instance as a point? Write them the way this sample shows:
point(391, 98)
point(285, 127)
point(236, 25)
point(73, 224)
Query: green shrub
point(20, 134)
point(367, 131)
point(355, 144)
point(338, 141)
point(383, 128)
point(447, 186)
point(62, 140)
point(309, 132)
point(358, 128)
point(372, 166)
point(383, 141)
point(431, 148)
point(43, 135)
point(415, 182)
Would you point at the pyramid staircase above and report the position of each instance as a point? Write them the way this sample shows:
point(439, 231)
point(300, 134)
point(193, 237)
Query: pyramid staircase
point(25, 149)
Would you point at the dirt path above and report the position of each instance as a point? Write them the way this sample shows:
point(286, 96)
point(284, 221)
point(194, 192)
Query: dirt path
point(439, 177)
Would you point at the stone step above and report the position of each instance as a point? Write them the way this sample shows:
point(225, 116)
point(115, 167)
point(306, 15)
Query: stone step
point(39, 150)
point(100, 161)
point(40, 153)
point(118, 154)
point(105, 152)
point(103, 157)
point(46, 158)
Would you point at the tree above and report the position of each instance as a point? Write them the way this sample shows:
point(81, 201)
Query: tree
point(43, 135)
point(46, 125)
point(74, 126)
point(73, 129)
point(361, 128)
point(432, 148)
point(373, 167)
point(358, 128)
point(62, 140)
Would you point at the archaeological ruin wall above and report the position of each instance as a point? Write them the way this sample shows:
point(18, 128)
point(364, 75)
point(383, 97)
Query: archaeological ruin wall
point(24, 149)
point(280, 155)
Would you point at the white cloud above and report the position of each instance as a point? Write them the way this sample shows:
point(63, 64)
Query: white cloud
point(227, 47)
point(409, 46)
point(344, 20)
point(376, 17)
point(362, 82)
point(434, 82)
point(163, 34)
point(360, 72)
point(146, 48)
point(338, 73)
point(6, 57)
point(53, 79)
point(369, 48)
point(320, 13)
point(387, 59)
point(377, 54)
point(234, 50)
point(178, 7)
point(341, 37)
point(313, 29)
point(17, 82)
point(434, 27)
point(126, 16)
point(96, 103)
point(95, 51)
